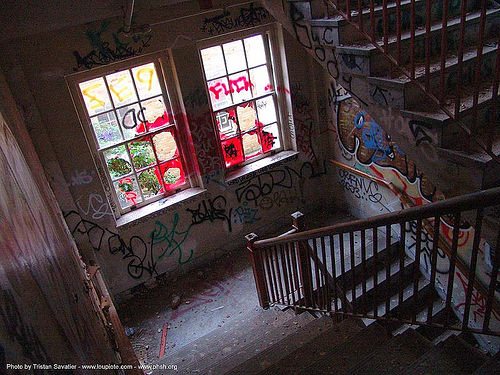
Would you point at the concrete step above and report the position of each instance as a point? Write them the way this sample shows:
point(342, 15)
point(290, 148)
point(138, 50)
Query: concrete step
point(348, 34)
point(302, 337)
point(341, 358)
point(411, 94)
point(231, 335)
point(370, 61)
point(385, 288)
point(394, 355)
point(331, 340)
point(452, 356)
point(490, 367)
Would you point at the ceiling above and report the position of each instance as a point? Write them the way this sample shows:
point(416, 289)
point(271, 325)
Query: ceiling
point(20, 18)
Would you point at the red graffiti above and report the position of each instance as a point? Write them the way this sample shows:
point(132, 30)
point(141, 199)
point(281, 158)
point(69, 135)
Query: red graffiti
point(478, 301)
point(269, 87)
point(463, 235)
point(238, 85)
point(214, 289)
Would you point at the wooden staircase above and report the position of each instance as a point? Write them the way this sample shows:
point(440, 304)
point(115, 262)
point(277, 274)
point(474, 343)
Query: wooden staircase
point(284, 343)
point(428, 76)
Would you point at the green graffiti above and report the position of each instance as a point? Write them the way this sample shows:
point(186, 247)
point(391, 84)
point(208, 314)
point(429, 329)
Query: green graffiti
point(171, 240)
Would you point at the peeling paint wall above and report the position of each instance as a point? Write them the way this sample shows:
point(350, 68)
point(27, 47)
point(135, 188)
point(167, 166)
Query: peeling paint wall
point(47, 314)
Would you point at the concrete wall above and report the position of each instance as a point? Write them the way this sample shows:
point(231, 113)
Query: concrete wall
point(47, 313)
point(35, 67)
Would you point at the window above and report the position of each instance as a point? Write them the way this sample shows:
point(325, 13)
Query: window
point(130, 123)
point(240, 80)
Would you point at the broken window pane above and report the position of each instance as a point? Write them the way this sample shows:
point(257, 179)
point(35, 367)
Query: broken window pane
point(142, 153)
point(165, 145)
point(148, 181)
point(246, 116)
point(155, 113)
point(173, 174)
point(251, 145)
point(118, 161)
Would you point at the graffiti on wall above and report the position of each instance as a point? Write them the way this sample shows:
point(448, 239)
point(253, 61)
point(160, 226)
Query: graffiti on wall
point(265, 183)
point(361, 136)
point(227, 21)
point(142, 254)
point(108, 46)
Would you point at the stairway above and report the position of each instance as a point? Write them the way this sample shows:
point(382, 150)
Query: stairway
point(284, 343)
point(428, 135)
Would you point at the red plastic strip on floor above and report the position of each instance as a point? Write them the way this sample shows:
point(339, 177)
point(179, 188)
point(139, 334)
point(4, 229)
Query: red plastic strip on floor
point(163, 340)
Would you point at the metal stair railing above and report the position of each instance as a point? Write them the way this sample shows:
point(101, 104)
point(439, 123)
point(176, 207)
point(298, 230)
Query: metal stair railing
point(355, 18)
point(314, 269)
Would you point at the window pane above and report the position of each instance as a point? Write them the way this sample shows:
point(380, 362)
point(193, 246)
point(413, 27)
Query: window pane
point(266, 110)
point(232, 151)
point(149, 183)
point(246, 116)
point(251, 145)
point(235, 56)
point(270, 137)
point(142, 153)
point(155, 113)
point(121, 88)
point(146, 81)
point(226, 122)
point(219, 93)
point(172, 173)
point(106, 129)
point(95, 96)
point(131, 120)
point(127, 191)
point(260, 81)
point(213, 62)
point(165, 146)
point(256, 53)
point(239, 85)
point(118, 161)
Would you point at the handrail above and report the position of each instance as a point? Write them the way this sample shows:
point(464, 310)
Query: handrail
point(443, 244)
point(411, 75)
point(463, 203)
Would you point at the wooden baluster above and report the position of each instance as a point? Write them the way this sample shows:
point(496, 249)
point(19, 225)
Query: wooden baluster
point(258, 270)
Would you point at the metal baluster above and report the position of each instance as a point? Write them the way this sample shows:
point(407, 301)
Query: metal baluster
point(453, 261)
point(416, 270)
point(435, 250)
point(472, 268)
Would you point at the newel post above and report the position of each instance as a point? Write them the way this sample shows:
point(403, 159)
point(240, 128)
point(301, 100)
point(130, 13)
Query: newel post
point(258, 270)
point(304, 260)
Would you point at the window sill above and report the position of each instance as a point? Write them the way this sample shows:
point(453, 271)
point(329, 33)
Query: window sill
point(250, 170)
point(157, 208)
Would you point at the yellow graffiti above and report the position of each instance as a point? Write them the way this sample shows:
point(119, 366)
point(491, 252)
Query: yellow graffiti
point(119, 93)
point(93, 98)
point(149, 80)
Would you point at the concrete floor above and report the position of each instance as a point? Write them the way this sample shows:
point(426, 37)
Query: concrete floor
point(210, 297)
